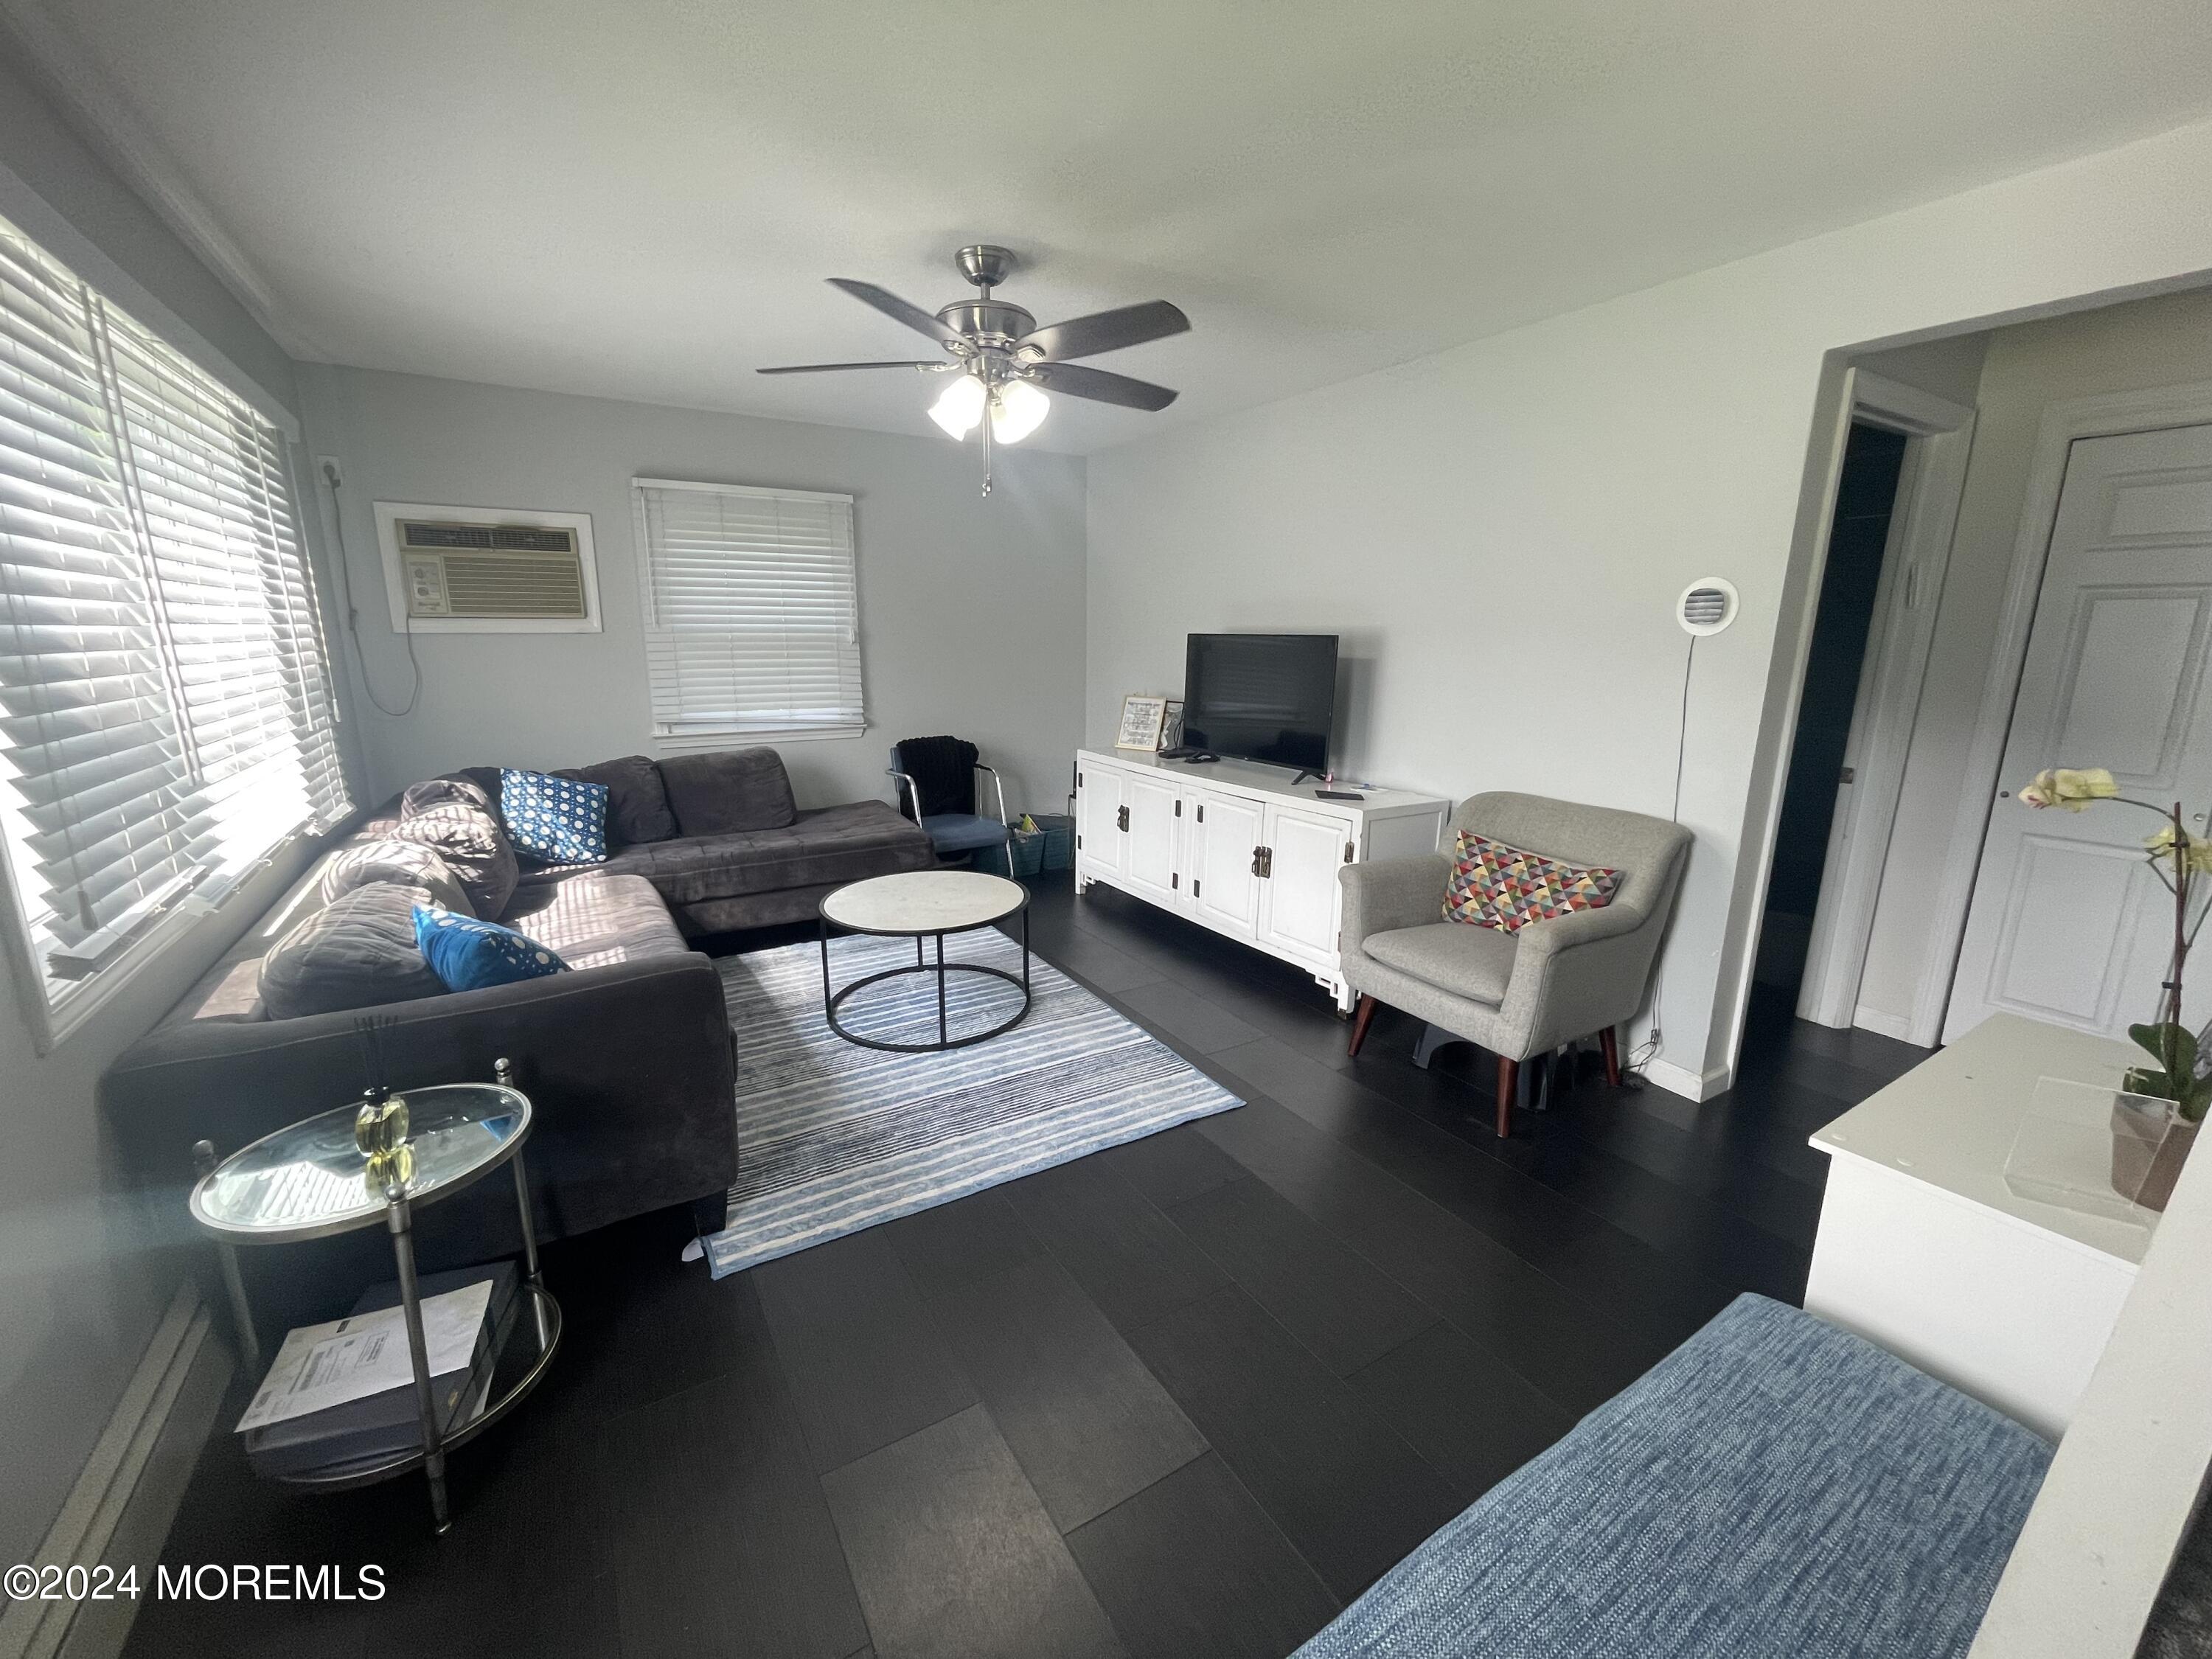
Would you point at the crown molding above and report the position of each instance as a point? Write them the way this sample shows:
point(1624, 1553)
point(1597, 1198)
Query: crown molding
point(105, 122)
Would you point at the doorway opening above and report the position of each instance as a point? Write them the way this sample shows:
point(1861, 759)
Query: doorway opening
point(1860, 533)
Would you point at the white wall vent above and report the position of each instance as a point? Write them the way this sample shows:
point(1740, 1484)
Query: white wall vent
point(480, 570)
point(1707, 606)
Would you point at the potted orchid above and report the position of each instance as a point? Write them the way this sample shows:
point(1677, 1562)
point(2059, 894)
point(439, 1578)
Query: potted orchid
point(2146, 1165)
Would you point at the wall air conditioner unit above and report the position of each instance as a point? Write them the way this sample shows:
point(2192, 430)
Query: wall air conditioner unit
point(487, 570)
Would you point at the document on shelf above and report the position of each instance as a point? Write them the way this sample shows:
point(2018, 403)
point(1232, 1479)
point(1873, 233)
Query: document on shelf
point(324, 1366)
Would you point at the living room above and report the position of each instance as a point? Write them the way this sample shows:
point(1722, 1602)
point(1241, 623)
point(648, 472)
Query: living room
point(1527, 362)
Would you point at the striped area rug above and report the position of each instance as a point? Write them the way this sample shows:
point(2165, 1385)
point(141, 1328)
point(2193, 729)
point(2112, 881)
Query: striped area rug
point(833, 1138)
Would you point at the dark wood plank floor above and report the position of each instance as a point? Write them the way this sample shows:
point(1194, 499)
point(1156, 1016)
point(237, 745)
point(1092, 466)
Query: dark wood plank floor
point(1184, 1397)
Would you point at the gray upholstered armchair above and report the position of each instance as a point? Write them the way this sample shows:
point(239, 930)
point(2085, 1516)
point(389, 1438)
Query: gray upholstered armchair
point(1526, 993)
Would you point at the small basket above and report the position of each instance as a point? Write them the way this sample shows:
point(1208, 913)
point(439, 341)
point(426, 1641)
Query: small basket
point(1057, 831)
point(1025, 852)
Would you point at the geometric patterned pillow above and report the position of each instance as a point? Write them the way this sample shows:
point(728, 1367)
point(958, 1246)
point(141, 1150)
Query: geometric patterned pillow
point(1494, 885)
point(555, 820)
point(469, 955)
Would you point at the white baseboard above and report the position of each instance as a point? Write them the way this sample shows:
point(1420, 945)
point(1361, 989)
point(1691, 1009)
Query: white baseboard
point(119, 1511)
point(1881, 1024)
point(1681, 1080)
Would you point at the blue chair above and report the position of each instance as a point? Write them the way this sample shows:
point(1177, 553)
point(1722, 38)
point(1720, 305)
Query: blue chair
point(936, 789)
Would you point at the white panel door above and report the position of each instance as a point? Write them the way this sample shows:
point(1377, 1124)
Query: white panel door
point(1098, 819)
point(1298, 908)
point(1148, 852)
point(2067, 923)
point(1224, 834)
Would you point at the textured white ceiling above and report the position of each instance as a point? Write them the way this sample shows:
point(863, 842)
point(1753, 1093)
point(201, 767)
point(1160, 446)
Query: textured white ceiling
point(640, 199)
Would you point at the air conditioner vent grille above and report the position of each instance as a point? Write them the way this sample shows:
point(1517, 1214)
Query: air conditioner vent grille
point(513, 585)
point(501, 538)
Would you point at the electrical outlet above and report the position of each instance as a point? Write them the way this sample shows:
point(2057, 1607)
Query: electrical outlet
point(328, 470)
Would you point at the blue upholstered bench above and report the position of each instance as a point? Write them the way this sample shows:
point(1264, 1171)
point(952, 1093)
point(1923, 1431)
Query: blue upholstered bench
point(1775, 1486)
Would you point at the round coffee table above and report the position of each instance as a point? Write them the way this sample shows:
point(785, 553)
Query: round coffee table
point(923, 904)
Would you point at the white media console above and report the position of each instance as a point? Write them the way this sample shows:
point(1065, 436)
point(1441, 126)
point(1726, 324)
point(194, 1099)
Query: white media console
point(1240, 849)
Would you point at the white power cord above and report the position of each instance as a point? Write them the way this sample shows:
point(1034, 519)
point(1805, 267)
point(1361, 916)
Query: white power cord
point(353, 615)
point(1655, 1040)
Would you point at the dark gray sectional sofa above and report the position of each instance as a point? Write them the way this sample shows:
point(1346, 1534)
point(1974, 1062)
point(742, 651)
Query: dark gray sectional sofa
point(628, 1060)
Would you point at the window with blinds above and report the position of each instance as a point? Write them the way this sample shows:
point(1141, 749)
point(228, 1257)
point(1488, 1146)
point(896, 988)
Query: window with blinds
point(752, 612)
point(165, 704)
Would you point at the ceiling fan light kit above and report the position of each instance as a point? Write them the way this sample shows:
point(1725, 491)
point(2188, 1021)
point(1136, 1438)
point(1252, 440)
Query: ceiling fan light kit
point(1004, 363)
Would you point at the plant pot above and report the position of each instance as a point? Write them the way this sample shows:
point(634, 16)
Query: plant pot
point(2146, 1160)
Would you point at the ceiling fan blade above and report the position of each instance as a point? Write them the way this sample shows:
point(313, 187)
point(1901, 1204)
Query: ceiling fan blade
point(824, 369)
point(1107, 330)
point(1100, 386)
point(891, 306)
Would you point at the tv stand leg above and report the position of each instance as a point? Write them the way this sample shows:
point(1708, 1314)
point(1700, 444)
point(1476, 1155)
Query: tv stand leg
point(1308, 773)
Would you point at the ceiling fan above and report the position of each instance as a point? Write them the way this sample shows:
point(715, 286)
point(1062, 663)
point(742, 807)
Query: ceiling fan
point(1004, 363)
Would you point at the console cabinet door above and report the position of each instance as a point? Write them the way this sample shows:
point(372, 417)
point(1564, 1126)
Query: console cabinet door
point(1097, 822)
point(1148, 853)
point(1224, 834)
point(1299, 905)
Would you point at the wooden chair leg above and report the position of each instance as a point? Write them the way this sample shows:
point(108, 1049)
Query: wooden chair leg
point(1609, 1042)
point(1362, 1018)
point(1509, 1080)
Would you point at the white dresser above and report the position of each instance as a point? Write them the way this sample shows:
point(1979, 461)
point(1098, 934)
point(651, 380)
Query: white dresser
point(1238, 848)
point(1924, 1249)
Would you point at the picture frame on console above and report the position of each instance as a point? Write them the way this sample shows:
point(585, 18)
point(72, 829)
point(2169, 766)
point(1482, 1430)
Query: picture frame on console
point(1142, 720)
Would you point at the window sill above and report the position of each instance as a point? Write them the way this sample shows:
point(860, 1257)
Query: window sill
point(55, 1024)
point(691, 742)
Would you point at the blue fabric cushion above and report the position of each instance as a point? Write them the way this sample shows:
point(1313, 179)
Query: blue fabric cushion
point(555, 820)
point(468, 954)
point(963, 832)
point(1774, 1486)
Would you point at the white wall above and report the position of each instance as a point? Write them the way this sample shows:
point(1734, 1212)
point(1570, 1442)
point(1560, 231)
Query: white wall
point(971, 609)
point(2166, 340)
point(1500, 530)
point(82, 1277)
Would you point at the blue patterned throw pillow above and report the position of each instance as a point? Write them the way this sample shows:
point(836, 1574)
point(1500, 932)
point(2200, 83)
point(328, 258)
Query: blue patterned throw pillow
point(555, 820)
point(468, 954)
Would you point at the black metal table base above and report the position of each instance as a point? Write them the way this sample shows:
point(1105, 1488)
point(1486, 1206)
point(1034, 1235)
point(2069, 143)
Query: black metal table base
point(832, 999)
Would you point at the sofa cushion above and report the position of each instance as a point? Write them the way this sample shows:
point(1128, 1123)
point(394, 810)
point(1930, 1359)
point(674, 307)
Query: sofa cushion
point(474, 848)
point(842, 843)
point(357, 951)
point(1474, 962)
point(555, 820)
point(1774, 1486)
point(637, 808)
point(435, 792)
point(1494, 885)
point(407, 862)
point(592, 921)
point(729, 792)
point(472, 955)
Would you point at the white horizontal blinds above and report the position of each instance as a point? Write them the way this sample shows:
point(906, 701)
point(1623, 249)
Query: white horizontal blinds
point(208, 479)
point(165, 705)
point(752, 611)
point(95, 793)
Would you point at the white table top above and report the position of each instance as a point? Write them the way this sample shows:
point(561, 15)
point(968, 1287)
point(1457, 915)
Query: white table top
point(924, 902)
point(1950, 1122)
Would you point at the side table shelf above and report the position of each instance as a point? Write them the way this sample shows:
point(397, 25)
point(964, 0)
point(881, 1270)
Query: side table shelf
point(308, 1182)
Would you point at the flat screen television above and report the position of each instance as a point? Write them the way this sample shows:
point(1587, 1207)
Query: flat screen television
point(1268, 697)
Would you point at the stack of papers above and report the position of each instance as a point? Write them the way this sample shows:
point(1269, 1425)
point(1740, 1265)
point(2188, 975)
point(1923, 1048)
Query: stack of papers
point(341, 1395)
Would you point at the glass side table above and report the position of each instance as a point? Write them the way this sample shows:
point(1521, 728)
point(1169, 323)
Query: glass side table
point(307, 1181)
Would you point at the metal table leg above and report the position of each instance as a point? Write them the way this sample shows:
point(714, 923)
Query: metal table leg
point(944, 1032)
point(398, 1218)
point(233, 1283)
